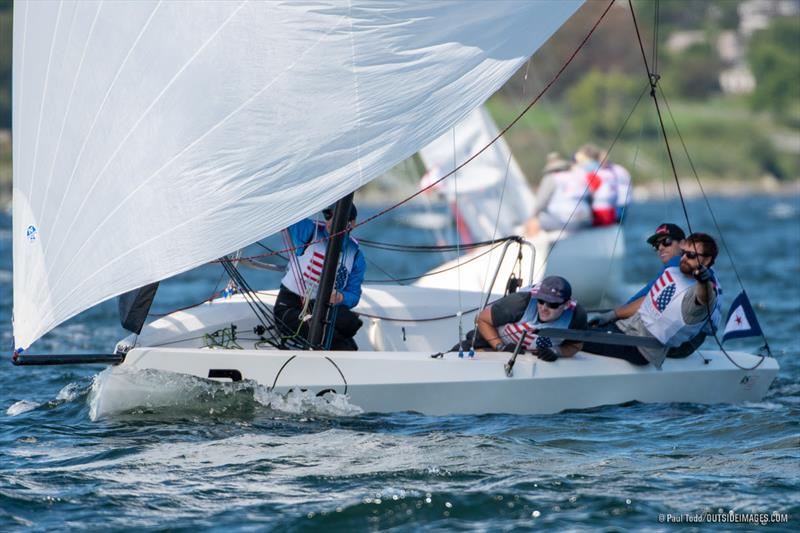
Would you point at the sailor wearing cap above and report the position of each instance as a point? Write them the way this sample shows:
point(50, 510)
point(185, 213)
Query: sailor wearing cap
point(300, 283)
point(549, 303)
point(666, 241)
point(679, 309)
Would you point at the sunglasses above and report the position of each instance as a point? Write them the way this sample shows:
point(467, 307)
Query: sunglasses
point(663, 242)
point(693, 255)
point(551, 305)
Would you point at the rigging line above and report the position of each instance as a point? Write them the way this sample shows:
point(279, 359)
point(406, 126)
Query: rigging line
point(470, 260)
point(713, 216)
point(497, 220)
point(425, 248)
point(458, 236)
point(214, 294)
point(431, 319)
point(625, 203)
point(97, 114)
point(702, 190)
point(44, 94)
point(389, 275)
point(653, 83)
point(504, 130)
point(230, 269)
point(586, 189)
point(267, 248)
point(656, 27)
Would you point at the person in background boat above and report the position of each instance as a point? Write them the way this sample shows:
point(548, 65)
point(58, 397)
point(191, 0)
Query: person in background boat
point(680, 307)
point(562, 200)
point(601, 182)
point(300, 284)
point(622, 183)
point(547, 304)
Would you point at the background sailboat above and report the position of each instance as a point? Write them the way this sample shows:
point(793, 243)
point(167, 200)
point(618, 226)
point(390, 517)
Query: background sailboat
point(491, 198)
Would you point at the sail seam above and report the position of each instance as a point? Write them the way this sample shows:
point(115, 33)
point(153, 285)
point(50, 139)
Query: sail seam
point(122, 143)
point(44, 99)
point(69, 106)
point(18, 145)
point(94, 123)
point(147, 180)
point(358, 95)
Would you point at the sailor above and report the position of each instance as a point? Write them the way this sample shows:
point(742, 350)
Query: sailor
point(547, 304)
point(602, 185)
point(666, 241)
point(679, 309)
point(300, 283)
point(562, 200)
point(622, 183)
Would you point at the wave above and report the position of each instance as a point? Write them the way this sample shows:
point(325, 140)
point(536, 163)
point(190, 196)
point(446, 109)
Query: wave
point(120, 391)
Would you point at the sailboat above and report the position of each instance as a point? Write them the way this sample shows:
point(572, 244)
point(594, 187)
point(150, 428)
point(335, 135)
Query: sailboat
point(153, 137)
point(490, 198)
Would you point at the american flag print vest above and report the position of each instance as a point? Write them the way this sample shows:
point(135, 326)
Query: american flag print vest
point(310, 269)
point(511, 333)
point(661, 311)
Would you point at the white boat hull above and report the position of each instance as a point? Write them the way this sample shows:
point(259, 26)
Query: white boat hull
point(395, 370)
point(414, 381)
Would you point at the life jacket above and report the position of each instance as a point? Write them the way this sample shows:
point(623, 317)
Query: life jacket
point(511, 333)
point(661, 310)
point(602, 184)
point(569, 197)
point(303, 276)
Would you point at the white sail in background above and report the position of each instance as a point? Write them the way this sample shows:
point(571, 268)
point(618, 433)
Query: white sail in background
point(151, 137)
point(493, 194)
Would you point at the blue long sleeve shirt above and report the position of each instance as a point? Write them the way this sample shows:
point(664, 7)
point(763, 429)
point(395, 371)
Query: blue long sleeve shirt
point(307, 230)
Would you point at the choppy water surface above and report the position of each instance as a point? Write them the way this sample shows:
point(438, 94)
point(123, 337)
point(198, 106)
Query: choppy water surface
point(236, 457)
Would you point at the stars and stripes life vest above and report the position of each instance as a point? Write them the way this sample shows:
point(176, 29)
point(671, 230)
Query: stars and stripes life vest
point(602, 184)
point(303, 276)
point(511, 333)
point(569, 195)
point(661, 309)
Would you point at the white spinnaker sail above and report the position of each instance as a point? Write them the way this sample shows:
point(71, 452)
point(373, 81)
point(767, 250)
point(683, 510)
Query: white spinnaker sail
point(153, 136)
point(492, 192)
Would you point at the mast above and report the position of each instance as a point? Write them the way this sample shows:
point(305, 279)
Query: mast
point(319, 318)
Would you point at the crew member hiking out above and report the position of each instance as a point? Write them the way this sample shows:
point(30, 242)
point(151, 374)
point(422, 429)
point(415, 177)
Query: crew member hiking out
point(547, 304)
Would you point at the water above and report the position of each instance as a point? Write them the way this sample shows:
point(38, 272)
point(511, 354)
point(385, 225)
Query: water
point(236, 457)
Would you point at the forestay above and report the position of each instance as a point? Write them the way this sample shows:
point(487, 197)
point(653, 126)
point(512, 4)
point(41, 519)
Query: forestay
point(151, 137)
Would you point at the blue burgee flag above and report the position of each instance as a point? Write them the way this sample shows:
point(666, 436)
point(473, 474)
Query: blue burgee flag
point(742, 321)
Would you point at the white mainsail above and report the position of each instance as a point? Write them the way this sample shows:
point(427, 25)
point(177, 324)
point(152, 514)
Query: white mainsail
point(151, 137)
point(492, 193)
